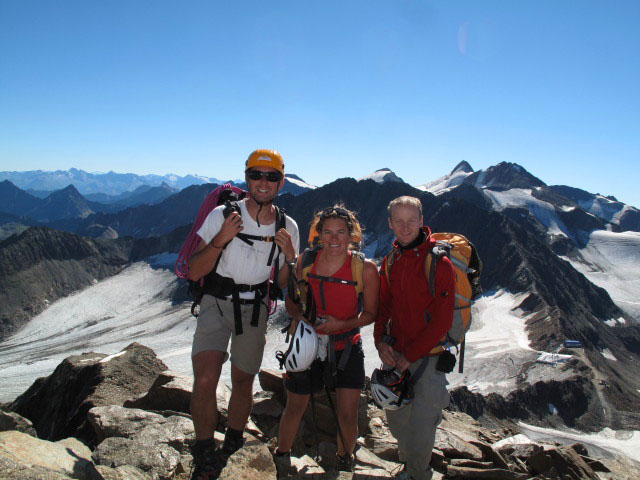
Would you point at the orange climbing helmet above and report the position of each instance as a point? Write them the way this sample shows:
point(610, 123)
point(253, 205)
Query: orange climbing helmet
point(265, 158)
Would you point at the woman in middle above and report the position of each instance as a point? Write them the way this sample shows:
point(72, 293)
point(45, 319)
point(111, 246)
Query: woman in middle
point(332, 307)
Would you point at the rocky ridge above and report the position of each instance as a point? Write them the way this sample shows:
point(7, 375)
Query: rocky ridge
point(142, 430)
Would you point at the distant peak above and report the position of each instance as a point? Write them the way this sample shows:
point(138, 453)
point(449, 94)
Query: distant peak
point(383, 175)
point(463, 166)
point(294, 176)
point(70, 188)
point(505, 175)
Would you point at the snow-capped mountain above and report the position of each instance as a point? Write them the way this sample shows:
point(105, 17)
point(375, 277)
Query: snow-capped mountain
point(553, 270)
point(110, 183)
point(588, 222)
point(381, 176)
point(295, 185)
point(447, 182)
point(619, 215)
point(119, 185)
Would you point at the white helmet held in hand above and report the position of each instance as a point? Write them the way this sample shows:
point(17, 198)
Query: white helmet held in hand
point(390, 389)
point(302, 350)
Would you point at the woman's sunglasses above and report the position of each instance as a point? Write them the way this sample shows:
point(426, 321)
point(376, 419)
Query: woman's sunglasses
point(258, 175)
point(333, 211)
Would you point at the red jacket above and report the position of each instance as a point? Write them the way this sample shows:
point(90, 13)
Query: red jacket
point(419, 319)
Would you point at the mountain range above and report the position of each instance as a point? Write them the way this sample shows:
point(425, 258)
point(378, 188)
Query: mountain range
point(570, 258)
point(110, 183)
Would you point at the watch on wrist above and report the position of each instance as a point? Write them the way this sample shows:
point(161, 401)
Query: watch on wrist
point(292, 263)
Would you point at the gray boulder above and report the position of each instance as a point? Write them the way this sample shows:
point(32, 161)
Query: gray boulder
point(158, 460)
point(521, 450)
point(253, 461)
point(380, 441)
point(169, 392)
point(126, 472)
point(58, 404)
point(489, 474)
point(146, 428)
point(454, 446)
point(562, 462)
point(24, 456)
point(13, 421)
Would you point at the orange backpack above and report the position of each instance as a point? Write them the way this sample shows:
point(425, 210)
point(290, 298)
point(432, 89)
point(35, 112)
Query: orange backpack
point(467, 267)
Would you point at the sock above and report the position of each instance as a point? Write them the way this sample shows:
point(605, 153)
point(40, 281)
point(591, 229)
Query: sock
point(204, 443)
point(282, 454)
point(233, 434)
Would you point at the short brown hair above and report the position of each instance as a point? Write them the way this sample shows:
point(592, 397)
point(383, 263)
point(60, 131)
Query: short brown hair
point(405, 200)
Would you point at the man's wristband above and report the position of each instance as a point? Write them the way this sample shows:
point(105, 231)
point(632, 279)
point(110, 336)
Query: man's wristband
point(292, 263)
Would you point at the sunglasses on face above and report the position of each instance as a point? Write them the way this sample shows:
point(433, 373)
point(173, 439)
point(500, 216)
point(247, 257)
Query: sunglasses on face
point(258, 175)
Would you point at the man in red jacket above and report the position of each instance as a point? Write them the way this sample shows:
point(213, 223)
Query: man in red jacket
point(418, 322)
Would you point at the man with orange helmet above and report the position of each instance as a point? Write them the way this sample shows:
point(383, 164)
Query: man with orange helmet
point(236, 257)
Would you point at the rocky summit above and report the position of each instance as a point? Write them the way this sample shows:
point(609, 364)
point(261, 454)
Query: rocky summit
point(124, 416)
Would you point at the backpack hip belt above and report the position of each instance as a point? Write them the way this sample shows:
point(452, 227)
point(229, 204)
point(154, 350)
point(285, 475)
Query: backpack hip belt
point(331, 357)
point(222, 287)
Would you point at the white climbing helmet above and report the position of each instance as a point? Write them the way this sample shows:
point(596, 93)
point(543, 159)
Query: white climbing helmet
point(303, 349)
point(390, 389)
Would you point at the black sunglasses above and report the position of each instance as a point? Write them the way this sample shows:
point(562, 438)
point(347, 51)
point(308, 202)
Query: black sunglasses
point(258, 175)
point(332, 211)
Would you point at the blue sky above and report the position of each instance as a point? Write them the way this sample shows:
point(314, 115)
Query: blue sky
point(339, 88)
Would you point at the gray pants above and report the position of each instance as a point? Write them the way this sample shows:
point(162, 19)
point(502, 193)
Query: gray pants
point(414, 426)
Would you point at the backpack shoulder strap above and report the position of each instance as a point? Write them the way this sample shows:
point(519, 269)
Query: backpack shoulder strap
point(308, 258)
point(388, 263)
point(281, 218)
point(357, 269)
point(441, 249)
point(281, 221)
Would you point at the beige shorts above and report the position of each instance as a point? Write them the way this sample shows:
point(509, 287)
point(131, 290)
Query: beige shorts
point(216, 325)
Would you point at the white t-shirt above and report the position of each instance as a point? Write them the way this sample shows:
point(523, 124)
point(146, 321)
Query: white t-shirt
point(246, 264)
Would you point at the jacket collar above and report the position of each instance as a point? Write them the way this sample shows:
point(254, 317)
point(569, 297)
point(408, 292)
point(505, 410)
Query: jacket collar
point(423, 240)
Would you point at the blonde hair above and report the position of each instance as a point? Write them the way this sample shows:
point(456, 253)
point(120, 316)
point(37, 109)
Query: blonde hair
point(337, 211)
point(405, 200)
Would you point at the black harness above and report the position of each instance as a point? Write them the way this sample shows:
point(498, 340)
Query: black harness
point(331, 370)
point(225, 287)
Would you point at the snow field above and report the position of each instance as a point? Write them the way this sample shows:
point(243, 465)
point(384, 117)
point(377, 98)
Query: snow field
point(496, 345)
point(135, 305)
point(521, 197)
point(611, 260)
point(604, 443)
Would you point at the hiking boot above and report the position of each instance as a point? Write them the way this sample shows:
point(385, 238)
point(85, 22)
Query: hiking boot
point(403, 474)
point(233, 441)
point(206, 463)
point(283, 463)
point(344, 464)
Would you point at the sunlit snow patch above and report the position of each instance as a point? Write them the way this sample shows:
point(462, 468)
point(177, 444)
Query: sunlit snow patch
point(552, 358)
point(445, 183)
point(497, 345)
point(611, 260)
point(111, 357)
point(545, 212)
point(607, 440)
point(300, 183)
